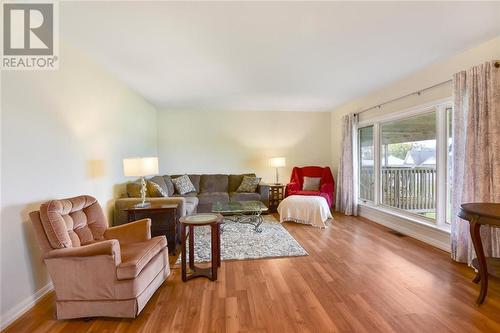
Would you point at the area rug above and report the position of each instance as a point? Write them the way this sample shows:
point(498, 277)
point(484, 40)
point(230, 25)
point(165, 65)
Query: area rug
point(240, 241)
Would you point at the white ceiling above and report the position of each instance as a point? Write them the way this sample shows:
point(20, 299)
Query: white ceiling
point(304, 56)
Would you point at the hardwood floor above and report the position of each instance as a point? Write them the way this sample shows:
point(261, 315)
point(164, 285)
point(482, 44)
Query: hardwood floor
point(358, 277)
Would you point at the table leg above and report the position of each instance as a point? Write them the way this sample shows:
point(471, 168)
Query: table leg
point(173, 217)
point(218, 245)
point(191, 247)
point(183, 252)
point(214, 263)
point(475, 229)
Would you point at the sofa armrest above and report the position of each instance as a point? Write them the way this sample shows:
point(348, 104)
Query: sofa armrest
point(120, 215)
point(137, 231)
point(263, 190)
point(109, 247)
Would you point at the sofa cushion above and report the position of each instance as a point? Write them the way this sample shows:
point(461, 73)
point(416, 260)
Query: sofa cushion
point(235, 181)
point(155, 190)
point(73, 222)
point(311, 183)
point(183, 185)
point(135, 256)
point(170, 185)
point(212, 197)
point(214, 183)
point(249, 184)
point(187, 195)
point(240, 196)
point(195, 179)
point(134, 189)
point(160, 180)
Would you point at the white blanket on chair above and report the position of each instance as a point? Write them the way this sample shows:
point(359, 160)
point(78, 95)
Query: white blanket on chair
point(305, 209)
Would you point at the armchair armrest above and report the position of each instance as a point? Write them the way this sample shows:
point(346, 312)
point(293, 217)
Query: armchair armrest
point(326, 188)
point(87, 272)
point(291, 187)
point(137, 231)
point(108, 247)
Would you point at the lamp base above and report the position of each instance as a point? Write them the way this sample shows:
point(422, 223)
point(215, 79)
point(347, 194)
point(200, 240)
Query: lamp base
point(143, 205)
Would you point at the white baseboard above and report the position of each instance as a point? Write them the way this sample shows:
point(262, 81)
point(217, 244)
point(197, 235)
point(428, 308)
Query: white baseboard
point(425, 233)
point(17, 311)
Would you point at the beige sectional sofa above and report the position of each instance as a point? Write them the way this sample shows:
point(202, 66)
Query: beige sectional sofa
point(210, 188)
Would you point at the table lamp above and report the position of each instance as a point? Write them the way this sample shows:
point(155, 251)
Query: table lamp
point(141, 167)
point(277, 162)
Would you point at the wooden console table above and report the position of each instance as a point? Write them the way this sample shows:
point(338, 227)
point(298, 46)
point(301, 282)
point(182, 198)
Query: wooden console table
point(163, 222)
point(482, 214)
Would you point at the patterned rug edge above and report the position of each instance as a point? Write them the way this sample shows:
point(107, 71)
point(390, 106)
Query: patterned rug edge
point(268, 218)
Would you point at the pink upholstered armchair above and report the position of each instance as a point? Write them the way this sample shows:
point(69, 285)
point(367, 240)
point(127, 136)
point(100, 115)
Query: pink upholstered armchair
point(98, 271)
point(326, 186)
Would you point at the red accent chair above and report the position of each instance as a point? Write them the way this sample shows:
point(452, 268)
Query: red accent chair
point(326, 186)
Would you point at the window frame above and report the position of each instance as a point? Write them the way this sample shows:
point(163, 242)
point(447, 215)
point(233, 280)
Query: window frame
point(442, 132)
point(359, 159)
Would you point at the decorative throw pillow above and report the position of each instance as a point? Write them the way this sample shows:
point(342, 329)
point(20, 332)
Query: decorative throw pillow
point(134, 189)
point(183, 185)
point(248, 184)
point(311, 184)
point(155, 190)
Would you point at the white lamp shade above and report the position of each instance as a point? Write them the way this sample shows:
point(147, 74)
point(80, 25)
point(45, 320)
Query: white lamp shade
point(140, 166)
point(277, 162)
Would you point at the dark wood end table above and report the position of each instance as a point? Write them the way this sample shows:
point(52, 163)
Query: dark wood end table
point(196, 220)
point(163, 221)
point(482, 214)
point(276, 195)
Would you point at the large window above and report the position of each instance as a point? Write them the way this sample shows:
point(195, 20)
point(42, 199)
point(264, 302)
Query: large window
point(408, 163)
point(404, 162)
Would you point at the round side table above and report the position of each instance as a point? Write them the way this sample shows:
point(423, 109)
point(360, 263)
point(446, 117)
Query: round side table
point(196, 220)
point(478, 214)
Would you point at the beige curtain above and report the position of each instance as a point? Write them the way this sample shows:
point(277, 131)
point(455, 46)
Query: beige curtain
point(346, 201)
point(476, 154)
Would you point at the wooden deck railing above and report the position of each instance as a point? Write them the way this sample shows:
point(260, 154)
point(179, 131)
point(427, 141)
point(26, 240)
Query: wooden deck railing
point(412, 189)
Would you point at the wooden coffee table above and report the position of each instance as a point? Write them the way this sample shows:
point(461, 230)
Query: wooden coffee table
point(248, 212)
point(197, 220)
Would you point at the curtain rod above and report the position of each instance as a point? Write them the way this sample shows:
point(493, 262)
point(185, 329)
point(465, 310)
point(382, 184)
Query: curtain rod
point(418, 92)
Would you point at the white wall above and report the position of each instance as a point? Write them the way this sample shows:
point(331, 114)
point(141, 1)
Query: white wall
point(64, 133)
point(237, 142)
point(429, 76)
